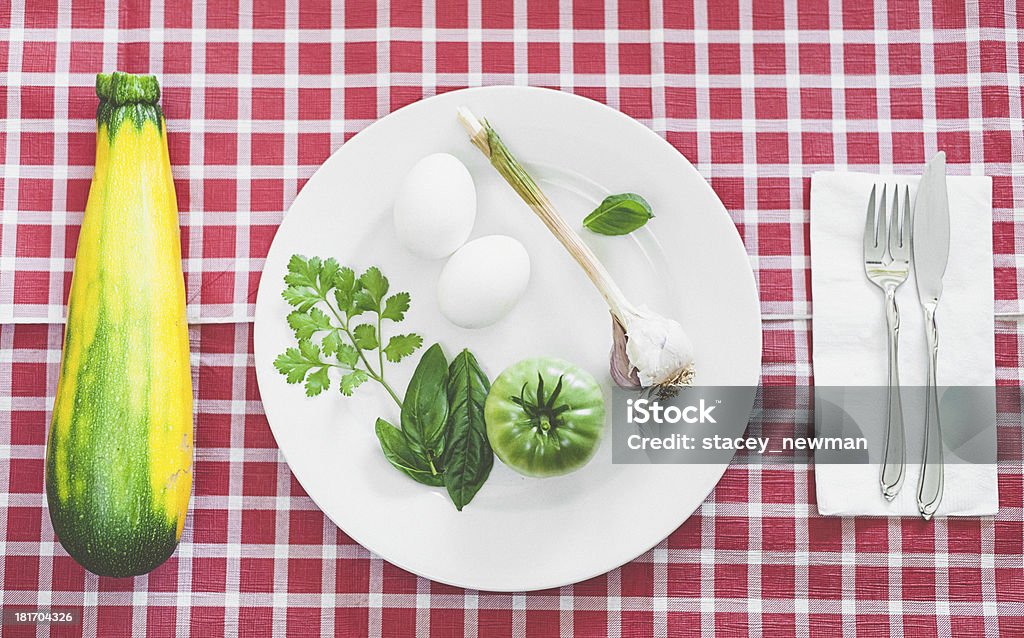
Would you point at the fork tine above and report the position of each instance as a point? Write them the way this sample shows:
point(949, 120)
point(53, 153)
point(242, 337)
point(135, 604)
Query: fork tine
point(895, 239)
point(883, 228)
point(869, 225)
point(907, 225)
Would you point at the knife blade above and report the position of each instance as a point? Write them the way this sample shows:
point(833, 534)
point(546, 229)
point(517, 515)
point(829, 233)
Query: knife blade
point(930, 243)
point(930, 238)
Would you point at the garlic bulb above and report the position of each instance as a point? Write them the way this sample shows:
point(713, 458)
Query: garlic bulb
point(649, 350)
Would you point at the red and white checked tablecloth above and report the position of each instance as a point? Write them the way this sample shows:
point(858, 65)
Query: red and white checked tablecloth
point(759, 94)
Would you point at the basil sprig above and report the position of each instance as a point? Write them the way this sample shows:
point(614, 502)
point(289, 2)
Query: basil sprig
point(619, 215)
point(443, 439)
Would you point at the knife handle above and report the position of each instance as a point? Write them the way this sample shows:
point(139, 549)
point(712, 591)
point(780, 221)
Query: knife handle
point(894, 459)
point(929, 486)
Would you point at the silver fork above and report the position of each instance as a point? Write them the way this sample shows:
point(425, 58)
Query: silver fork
point(887, 264)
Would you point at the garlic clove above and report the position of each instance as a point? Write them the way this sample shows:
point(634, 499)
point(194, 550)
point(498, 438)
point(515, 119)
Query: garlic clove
point(623, 373)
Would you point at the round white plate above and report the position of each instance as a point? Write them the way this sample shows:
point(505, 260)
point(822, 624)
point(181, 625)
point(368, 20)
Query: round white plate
point(688, 263)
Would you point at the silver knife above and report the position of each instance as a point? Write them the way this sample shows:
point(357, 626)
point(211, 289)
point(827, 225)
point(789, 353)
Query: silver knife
point(930, 242)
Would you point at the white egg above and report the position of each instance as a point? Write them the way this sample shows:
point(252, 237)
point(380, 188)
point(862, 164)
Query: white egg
point(483, 280)
point(435, 207)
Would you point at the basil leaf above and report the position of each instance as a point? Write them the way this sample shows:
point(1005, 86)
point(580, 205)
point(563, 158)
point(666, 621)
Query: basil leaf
point(425, 408)
point(468, 456)
point(619, 215)
point(401, 455)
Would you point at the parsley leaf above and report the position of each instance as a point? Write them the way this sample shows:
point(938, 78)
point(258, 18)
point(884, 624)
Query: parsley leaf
point(365, 336)
point(401, 346)
point(396, 306)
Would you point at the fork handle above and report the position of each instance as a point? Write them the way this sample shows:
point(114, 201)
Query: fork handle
point(894, 459)
point(930, 484)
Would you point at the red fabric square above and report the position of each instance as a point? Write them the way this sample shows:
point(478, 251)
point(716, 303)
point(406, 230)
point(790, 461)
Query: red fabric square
point(769, 58)
point(861, 104)
point(815, 58)
point(33, 240)
point(856, 17)
point(995, 101)
point(859, 59)
point(817, 148)
point(267, 58)
point(771, 104)
point(220, 149)
point(726, 104)
point(452, 57)
point(267, 149)
point(113, 615)
point(635, 102)
point(824, 582)
point(30, 287)
point(406, 57)
point(352, 575)
point(313, 147)
point(680, 103)
point(360, 57)
point(212, 477)
point(314, 58)
point(498, 57)
point(314, 14)
point(637, 579)
point(588, 57)
point(731, 533)
point(825, 534)
point(872, 582)
point(267, 104)
point(41, 14)
point(862, 148)
point(37, 148)
point(398, 581)
point(773, 193)
point(222, 57)
point(951, 102)
point(361, 103)
point(306, 527)
point(314, 104)
point(396, 621)
point(37, 102)
point(903, 14)
point(87, 57)
point(905, 104)
point(268, 14)
point(905, 56)
point(24, 524)
point(950, 57)
point(219, 195)
point(813, 14)
point(258, 526)
point(39, 57)
point(207, 621)
point(679, 57)
point(208, 574)
point(723, 58)
point(683, 580)
point(160, 621)
point(730, 580)
point(634, 59)
point(588, 14)
point(724, 15)
point(774, 239)
point(773, 149)
point(542, 57)
point(683, 624)
point(360, 14)
point(256, 575)
point(777, 581)
point(260, 478)
point(993, 56)
point(998, 146)
point(209, 526)
point(726, 147)
point(222, 15)
point(410, 15)
point(918, 583)
point(266, 195)
point(83, 14)
point(304, 575)
point(543, 623)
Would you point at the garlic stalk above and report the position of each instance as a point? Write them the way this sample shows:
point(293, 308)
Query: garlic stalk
point(648, 349)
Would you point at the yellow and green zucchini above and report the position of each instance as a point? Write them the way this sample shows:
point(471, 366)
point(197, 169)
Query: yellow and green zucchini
point(119, 453)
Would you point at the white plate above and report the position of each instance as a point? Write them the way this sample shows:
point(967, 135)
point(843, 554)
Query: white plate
point(689, 263)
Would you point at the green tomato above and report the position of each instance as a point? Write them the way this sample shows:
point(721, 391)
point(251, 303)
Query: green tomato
point(544, 417)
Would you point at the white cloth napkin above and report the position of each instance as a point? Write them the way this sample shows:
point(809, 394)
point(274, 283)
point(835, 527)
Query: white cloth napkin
point(849, 339)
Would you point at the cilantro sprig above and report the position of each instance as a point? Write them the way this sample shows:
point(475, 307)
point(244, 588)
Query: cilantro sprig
point(338, 322)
